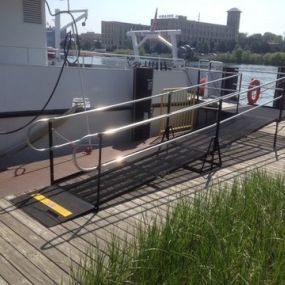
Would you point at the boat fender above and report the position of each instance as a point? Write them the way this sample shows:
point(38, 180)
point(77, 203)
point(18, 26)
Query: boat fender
point(253, 95)
point(202, 83)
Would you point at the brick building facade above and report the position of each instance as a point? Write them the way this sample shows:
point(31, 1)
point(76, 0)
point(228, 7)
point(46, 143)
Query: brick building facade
point(114, 34)
point(192, 32)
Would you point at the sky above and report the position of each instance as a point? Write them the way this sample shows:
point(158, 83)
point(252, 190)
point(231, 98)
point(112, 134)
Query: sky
point(258, 16)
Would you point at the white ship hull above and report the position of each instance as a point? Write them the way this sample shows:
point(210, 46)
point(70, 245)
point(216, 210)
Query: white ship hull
point(25, 89)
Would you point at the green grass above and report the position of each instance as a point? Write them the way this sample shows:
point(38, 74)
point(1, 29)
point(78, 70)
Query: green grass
point(230, 236)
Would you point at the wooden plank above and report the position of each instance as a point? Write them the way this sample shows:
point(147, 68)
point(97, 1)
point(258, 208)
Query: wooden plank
point(120, 218)
point(10, 275)
point(58, 237)
point(23, 265)
point(76, 235)
point(52, 239)
point(3, 282)
point(121, 223)
point(100, 227)
point(130, 213)
point(53, 254)
point(33, 255)
point(81, 232)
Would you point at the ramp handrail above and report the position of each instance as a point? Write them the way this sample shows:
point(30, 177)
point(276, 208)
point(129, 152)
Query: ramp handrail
point(190, 108)
point(121, 158)
point(126, 127)
point(213, 147)
point(215, 125)
point(146, 121)
point(100, 165)
point(128, 56)
point(105, 108)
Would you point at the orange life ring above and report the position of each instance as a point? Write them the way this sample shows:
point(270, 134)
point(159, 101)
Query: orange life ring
point(202, 83)
point(253, 95)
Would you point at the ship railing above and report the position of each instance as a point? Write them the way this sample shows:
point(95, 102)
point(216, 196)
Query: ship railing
point(47, 56)
point(126, 61)
point(102, 135)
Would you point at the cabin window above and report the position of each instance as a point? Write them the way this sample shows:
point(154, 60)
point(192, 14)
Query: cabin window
point(33, 11)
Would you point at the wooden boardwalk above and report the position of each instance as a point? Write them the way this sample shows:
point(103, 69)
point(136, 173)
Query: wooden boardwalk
point(33, 254)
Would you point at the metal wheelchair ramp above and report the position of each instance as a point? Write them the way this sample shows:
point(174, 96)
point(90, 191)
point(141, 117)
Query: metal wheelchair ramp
point(65, 201)
point(179, 153)
point(81, 193)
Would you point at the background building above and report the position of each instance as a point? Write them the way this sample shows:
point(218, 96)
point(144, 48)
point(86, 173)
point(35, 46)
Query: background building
point(114, 34)
point(204, 37)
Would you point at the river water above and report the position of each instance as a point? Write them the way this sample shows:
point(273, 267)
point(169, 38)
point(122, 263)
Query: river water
point(264, 74)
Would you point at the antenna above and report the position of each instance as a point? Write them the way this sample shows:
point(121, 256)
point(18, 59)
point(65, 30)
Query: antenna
point(199, 17)
point(154, 23)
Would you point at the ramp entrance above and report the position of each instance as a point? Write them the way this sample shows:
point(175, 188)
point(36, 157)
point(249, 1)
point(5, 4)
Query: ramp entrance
point(109, 179)
point(52, 205)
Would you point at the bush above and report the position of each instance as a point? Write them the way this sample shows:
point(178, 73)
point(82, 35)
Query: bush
point(233, 236)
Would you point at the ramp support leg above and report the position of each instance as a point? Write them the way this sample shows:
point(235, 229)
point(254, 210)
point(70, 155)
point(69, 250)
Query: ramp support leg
point(239, 90)
point(166, 133)
point(168, 128)
point(275, 135)
point(51, 156)
point(206, 155)
point(214, 143)
point(99, 170)
point(213, 148)
point(216, 140)
point(216, 148)
point(278, 120)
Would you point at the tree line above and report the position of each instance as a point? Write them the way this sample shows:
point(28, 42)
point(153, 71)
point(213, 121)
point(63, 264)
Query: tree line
point(239, 55)
point(268, 49)
point(256, 43)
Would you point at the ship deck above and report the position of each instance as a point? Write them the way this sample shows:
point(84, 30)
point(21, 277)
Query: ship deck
point(34, 254)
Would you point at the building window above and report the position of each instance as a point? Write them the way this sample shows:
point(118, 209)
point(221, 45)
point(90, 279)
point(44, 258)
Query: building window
point(32, 10)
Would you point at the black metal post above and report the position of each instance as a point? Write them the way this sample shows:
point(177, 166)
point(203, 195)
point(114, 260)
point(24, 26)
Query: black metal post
point(219, 119)
point(99, 170)
point(167, 130)
point(205, 157)
point(214, 143)
point(51, 156)
point(167, 125)
point(216, 139)
point(198, 83)
point(239, 89)
point(278, 120)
